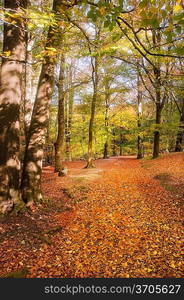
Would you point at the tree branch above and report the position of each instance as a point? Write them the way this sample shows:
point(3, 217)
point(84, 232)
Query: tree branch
point(142, 45)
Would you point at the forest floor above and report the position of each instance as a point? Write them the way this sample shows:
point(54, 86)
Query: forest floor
point(120, 219)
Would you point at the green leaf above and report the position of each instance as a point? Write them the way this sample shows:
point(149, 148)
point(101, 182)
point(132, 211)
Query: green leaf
point(106, 24)
point(90, 14)
point(169, 36)
point(180, 50)
point(145, 22)
point(181, 22)
point(112, 25)
point(154, 22)
point(178, 29)
point(121, 2)
point(143, 3)
point(93, 13)
point(164, 13)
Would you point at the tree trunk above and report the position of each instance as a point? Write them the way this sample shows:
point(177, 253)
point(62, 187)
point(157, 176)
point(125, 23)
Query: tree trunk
point(69, 118)
point(10, 102)
point(121, 150)
point(180, 134)
point(106, 145)
point(69, 130)
point(121, 144)
point(156, 142)
point(93, 108)
point(158, 101)
point(29, 100)
point(31, 177)
point(140, 145)
point(32, 169)
point(114, 142)
point(60, 142)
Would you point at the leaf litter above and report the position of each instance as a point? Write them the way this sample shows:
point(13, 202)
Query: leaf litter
point(123, 223)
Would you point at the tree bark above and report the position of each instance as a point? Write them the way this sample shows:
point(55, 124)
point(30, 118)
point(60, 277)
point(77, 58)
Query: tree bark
point(69, 117)
point(60, 142)
point(29, 100)
point(10, 103)
point(156, 142)
point(106, 145)
point(105, 154)
point(121, 145)
point(92, 117)
point(180, 134)
point(159, 102)
point(69, 129)
point(140, 145)
point(114, 153)
point(32, 169)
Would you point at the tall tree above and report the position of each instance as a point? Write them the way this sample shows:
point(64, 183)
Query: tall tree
point(95, 80)
point(140, 145)
point(69, 116)
point(32, 170)
point(180, 133)
point(106, 124)
point(12, 67)
point(60, 141)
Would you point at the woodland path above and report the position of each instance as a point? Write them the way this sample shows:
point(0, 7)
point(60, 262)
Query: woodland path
point(117, 220)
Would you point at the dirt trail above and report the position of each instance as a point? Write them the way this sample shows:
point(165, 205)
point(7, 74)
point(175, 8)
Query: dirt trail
point(119, 222)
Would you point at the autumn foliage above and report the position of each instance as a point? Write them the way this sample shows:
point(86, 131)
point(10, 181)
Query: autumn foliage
point(121, 219)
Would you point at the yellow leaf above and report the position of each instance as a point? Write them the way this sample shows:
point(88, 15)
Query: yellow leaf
point(149, 270)
point(172, 264)
point(177, 8)
point(7, 53)
point(102, 11)
point(124, 265)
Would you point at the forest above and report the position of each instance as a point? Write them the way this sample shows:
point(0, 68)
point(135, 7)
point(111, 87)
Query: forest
point(91, 138)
